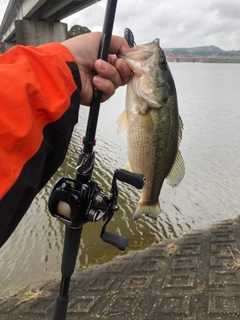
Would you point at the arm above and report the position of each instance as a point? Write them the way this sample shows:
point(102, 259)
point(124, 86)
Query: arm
point(40, 96)
point(39, 107)
point(36, 86)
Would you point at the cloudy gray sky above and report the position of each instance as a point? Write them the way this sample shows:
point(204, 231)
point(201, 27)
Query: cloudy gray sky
point(178, 23)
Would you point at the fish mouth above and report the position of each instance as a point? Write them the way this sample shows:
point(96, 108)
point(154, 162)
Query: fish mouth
point(150, 46)
point(140, 54)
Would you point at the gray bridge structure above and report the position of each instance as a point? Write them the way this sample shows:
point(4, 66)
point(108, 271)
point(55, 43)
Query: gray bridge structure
point(34, 22)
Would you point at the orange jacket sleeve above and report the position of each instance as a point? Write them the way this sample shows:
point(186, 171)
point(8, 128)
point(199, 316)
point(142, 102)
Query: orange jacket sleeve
point(40, 99)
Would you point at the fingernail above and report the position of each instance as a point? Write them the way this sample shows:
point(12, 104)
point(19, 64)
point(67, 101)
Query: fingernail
point(102, 65)
point(97, 79)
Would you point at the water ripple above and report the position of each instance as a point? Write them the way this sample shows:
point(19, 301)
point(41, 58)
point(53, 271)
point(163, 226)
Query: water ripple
point(209, 103)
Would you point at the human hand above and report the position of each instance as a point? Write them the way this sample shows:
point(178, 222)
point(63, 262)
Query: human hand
point(111, 74)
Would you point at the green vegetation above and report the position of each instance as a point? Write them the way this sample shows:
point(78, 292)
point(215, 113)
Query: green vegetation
point(76, 30)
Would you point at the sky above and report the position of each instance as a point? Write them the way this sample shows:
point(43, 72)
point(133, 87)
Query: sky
point(177, 23)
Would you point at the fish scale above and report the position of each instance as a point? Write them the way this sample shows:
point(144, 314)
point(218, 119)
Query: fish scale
point(154, 127)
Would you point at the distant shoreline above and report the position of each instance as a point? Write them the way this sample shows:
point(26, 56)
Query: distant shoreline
point(208, 54)
point(223, 61)
point(208, 61)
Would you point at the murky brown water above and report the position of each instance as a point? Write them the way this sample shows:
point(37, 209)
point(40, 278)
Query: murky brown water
point(209, 103)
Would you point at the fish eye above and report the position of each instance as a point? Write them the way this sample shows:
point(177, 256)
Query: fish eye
point(163, 63)
point(162, 60)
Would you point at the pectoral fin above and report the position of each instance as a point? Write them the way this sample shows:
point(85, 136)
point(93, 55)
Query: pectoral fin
point(128, 167)
point(122, 121)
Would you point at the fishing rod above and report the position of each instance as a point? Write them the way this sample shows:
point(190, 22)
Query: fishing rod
point(83, 198)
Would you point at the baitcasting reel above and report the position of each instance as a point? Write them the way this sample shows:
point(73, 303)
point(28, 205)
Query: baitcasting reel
point(75, 203)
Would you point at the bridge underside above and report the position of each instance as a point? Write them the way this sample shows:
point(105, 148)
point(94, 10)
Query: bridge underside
point(41, 24)
point(55, 10)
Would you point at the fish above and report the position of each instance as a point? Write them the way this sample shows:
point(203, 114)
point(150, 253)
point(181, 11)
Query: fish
point(154, 126)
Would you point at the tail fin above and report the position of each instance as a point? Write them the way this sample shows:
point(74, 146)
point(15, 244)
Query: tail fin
point(149, 211)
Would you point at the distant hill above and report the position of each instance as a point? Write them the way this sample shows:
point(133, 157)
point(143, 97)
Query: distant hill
point(205, 51)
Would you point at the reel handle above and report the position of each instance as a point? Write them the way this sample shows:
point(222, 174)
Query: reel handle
point(120, 242)
point(134, 179)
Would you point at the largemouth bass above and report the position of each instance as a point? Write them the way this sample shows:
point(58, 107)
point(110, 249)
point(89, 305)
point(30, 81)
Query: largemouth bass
point(154, 127)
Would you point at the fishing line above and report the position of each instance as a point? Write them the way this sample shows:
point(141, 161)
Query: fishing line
point(134, 11)
point(93, 22)
point(94, 13)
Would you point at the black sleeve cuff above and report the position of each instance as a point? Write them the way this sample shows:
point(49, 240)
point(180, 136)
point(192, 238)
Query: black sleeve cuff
point(76, 75)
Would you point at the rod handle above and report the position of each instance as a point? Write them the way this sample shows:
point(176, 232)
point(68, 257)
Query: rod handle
point(60, 311)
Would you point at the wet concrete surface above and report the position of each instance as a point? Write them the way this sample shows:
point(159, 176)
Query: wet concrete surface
point(196, 277)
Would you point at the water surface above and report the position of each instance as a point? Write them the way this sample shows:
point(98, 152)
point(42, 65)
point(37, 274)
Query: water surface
point(209, 103)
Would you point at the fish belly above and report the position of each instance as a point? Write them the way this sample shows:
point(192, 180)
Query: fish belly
point(152, 148)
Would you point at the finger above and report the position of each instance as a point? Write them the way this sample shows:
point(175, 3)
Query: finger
point(104, 85)
point(124, 70)
point(108, 71)
point(118, 44)
point(122, 67)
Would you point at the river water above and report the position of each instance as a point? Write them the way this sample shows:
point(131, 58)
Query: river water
point(209, 104)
